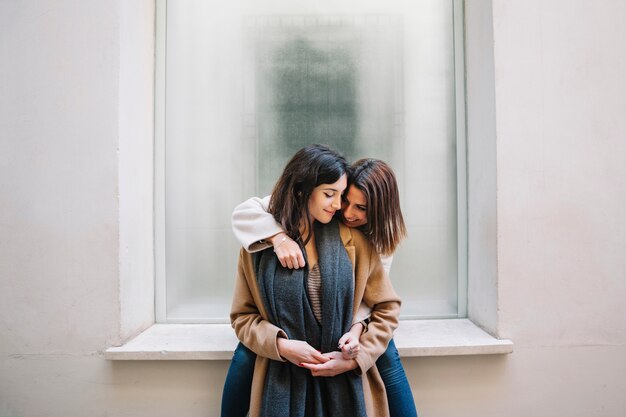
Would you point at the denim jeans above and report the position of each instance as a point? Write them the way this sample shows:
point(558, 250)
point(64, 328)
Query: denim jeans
point(399, 395)
point(238, 384)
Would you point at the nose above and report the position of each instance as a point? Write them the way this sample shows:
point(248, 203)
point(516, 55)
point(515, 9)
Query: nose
point(336, 202)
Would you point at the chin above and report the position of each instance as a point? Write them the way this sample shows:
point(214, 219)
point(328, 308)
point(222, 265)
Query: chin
point(353, 224)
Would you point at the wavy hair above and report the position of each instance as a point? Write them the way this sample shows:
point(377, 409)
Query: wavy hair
point(308, 168)
point(385, 226)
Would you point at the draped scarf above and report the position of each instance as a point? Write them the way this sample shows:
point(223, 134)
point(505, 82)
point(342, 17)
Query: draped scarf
point(291, 391)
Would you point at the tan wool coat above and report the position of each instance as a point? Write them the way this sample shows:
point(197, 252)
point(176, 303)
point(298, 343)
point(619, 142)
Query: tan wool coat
point(372, 287)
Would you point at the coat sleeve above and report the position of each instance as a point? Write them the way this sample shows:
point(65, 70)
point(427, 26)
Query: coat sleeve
point(251, 328)
point(252, 223)
point(364, 311)
point(386, 261)
point(379, 294)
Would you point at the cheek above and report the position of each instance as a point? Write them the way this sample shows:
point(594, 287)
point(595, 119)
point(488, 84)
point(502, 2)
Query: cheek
point(320, 203)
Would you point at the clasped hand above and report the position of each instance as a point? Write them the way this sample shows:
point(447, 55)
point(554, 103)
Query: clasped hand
point(304, 355)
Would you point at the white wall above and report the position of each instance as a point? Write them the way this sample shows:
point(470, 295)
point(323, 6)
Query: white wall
point(560, 100)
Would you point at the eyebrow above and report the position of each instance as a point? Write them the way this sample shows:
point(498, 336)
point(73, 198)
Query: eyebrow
point(358, 204)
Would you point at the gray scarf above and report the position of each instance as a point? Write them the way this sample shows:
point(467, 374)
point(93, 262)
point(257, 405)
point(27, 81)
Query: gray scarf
point(291, 391)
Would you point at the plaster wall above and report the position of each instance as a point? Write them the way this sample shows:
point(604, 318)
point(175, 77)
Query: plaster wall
point(59, 125)
point(561, 148)
point(559, 103)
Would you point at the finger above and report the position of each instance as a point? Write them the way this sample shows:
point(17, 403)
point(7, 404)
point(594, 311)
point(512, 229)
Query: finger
point(352, 344)
point(321, 370)
point(342, 340)
point(347, 353)
point(319, 357)
point(317, 367)
point(288, 262)
point(300, 260)
point(310, 366)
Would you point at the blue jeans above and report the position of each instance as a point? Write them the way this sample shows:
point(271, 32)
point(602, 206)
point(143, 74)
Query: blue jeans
point(238, 384)
point(399, 395)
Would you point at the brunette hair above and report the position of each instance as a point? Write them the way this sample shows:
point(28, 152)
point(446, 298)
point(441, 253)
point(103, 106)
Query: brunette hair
point(308, 168)
point(385, 225)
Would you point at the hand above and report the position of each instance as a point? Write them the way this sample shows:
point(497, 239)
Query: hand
point(288, 251)
point(299, 352)
point(335, 365)
point(349, 342)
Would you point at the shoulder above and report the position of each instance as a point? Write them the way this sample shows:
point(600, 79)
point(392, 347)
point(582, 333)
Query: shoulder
point(352, 237)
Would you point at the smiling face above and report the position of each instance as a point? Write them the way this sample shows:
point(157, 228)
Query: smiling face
point(325, 200)
point(354, 208)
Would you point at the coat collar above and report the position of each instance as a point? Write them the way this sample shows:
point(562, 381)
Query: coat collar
point(346, 238)
point(346, 235)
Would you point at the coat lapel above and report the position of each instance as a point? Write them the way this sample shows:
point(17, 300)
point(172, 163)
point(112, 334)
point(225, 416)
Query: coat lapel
point(359, 285)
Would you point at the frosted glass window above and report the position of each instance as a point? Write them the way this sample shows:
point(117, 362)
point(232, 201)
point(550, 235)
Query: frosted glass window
point(243, 85)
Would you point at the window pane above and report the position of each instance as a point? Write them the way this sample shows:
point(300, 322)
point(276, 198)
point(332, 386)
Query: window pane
point(247, 86)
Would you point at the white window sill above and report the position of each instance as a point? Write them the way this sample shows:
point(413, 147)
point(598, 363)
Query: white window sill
point(218, 341)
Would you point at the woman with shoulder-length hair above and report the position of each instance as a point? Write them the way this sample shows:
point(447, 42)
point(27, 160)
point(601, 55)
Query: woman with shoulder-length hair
point(371, 204)
point(293, 319)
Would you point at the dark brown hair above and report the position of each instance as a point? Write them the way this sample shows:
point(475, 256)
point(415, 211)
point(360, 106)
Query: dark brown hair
point(308, 168)
point(385, 225)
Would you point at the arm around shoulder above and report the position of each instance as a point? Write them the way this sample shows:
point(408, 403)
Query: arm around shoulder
point(252, 224)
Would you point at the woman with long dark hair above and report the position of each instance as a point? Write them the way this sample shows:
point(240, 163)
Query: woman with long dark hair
point(371, 204)
point(293, 319)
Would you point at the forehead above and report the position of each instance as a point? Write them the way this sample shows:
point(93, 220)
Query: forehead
point(339, 185)
point(355, 196)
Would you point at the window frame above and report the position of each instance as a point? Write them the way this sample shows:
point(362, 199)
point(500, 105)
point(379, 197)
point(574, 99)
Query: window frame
point(159, 173)
point(141, 339)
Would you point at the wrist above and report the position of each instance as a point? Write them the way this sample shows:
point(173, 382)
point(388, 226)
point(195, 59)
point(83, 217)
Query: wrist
point(280, 346)
point(277, 238)
point(357, 329)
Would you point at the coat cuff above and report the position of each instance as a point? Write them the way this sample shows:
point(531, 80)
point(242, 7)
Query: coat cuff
point(364, 363)
point(270, 344)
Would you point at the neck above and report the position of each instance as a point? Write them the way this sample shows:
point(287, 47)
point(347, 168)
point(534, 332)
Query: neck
point(305, 233)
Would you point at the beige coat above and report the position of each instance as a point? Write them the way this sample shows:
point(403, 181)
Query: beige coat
point(372, 286)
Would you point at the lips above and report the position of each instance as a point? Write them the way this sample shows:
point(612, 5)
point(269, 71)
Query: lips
point(347, 220)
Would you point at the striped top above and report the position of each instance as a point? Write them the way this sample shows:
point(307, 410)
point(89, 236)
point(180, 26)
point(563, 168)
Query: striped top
point(315, 291)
